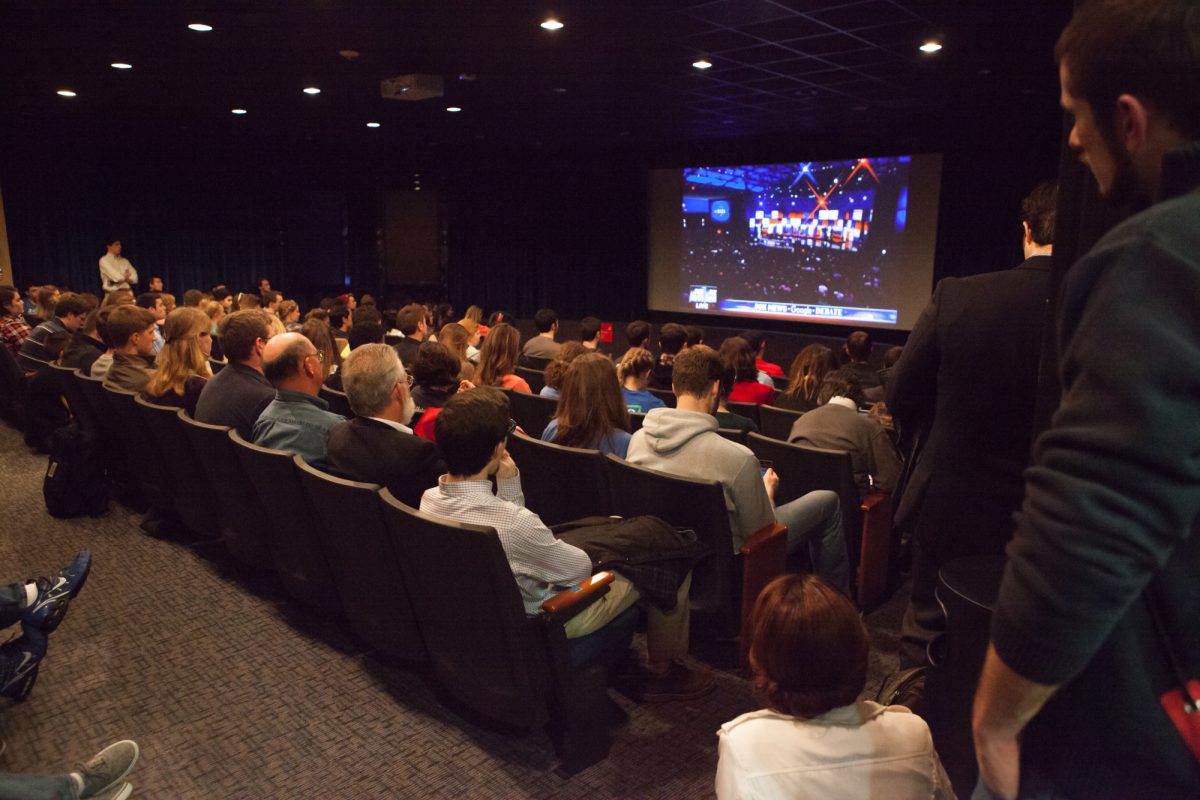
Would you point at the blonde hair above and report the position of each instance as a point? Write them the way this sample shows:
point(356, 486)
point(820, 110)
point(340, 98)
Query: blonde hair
point(454, 338)
point(181, 357)
point(287, 307)
point(635, 361)
point(213, 309)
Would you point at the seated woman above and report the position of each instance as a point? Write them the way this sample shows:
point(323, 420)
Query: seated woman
point(182, 364)
point(737, 355)
point(289, 314)
point(591, 411)
point(556, 369)
point(814, 739)
point(809, 368)
point(454, 338)
point(634, 373)
point(498, 360)
point(321, 337)
point(435, 380)
point(726, 418)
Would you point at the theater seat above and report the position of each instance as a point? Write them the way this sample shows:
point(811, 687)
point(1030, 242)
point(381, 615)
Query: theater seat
point(749, 410)
point(777, 423)
point(561, 483)
point(190, 483)
point(536, 378)
point(119, 459)
point(665, 396)
point(532, 413)
point(148, 463)
point(533, 362)
point(339, 403)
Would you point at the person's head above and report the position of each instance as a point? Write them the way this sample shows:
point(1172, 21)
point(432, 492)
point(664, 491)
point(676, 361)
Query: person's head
point(188, 335)
point(168, 301)
point(155, 284)
point(557, 368)
point(1037, 217)
point(95, 325)
point(637, 333)
point(635, 366)
point(192, 298)
point(347, 300)
point(117, 297)
point(376, 384)
point(472, 329)
point(498, 357)
point(365, 313)
point(546, 320)
point(672, 337)
point(248, 300)
point(858, 347)
point(55, 343)
point(214, 311)
point(1130, 74)
point(292, 363)
point(339, 318)
point(362, 333)
point(10, 302)
point(411, 321)
point(695, 375)
point(809, 368)
point(319, 334)
point(496, 317)
point(840, 383)
point(695, 335)
point(808, 647)
point(757, 341)
point(152, 302)
point(321, 314)
point(46, 300)
point(443, 313)
point(475, 314)
point(113, 246)
point(436, 368)
point(589, 330)
point(131, 330)
point(224, 297)
point(244, 334)
point(471, 430)
point(454, 337)
point(70, 310)
point(590, 405)
point(367, 301)
point(737, 355)
point(270, 300)
point(289, 311)
point(892, 356)
point(264, 285)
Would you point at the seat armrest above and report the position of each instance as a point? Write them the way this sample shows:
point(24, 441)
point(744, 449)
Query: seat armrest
point(875, 551)
point(569, 602)
point(764, 558)
point(763, 538)
point(871, 500)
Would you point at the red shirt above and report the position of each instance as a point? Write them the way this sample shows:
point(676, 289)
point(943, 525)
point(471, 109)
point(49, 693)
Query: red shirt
point(752, 392)
point(774, 370)
point(424, 427)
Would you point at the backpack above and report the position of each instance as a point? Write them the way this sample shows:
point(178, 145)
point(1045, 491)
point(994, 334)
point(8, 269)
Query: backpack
point(75, 484)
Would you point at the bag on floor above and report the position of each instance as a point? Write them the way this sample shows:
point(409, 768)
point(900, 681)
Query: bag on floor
point(75, 484)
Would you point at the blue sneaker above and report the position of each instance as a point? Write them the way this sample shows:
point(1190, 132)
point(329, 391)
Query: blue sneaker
point(50, 605)
point(19, 663)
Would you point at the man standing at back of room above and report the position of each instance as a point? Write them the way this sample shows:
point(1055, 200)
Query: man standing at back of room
point(965, 386)
point(1078, 697)
point(543, 345)
point(236, 395)
point(115, 271)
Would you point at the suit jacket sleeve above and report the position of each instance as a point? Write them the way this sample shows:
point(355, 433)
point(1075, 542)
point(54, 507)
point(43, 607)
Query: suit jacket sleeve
point(912, 390)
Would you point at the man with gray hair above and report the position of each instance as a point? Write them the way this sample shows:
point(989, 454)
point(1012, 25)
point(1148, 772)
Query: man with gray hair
point(378, 446)
point(297, 419)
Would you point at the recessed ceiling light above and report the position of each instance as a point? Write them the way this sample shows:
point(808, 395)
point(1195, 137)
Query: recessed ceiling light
point(931, 47)
point(552, 25)
point(121, 65)
point(702, 64)
point(311, 90)
point(238, 111)
point(65, 93)
point(453, 109)
point(200, 26)
point(372, 124)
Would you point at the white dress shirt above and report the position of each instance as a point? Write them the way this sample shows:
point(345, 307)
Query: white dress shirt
point(112, 272)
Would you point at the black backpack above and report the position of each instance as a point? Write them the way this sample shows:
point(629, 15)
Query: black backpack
point(75, 483)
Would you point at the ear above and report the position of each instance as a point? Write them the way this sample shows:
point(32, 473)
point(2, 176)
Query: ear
point(1028, 232)
point(1131, 122)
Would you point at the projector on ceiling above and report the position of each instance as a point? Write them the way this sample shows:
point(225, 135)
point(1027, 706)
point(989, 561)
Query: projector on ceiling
point(411, 87)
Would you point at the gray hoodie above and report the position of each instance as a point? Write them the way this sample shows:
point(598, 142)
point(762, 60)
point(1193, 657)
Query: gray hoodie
point(686, 443)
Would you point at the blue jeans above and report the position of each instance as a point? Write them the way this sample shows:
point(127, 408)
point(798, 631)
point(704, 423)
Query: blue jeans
point(37, 787)
point(816, 518)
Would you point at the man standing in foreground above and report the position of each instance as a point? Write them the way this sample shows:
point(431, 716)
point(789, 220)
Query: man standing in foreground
point(1078, 697)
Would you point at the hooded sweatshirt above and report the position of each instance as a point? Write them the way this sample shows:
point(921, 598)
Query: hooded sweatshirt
point(686, 443)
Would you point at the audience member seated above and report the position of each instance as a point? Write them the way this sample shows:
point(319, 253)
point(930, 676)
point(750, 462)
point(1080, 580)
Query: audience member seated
point(454, 338)
point(809, 368)
point(192, 298)
point(45, 299)
point(46, 408)
point(815, 740)
point(88, 343)
point(589, 333)
point(238, 393)
point(473, 337)
point(66, 316)
point(498, 359)
point(13, 325)
point(474, 315)
point(836, 425)
point(117, 297)
point(758, 345)
point(297, 420)
point(434, 382)
point(247, 301)
point(317, 332)
point(183, 367)
point(363, 332)
point(556, 369)
point(153, 302)
point(289, 315)
point(857, 350)
point(889, 363)
point(634, 373)
point(411, 322)
point(738, 356)
point(443, 315)
point(543, 345)
point(672, 338)
point(695, 335)
point(637, 334)
point(725, 418)
point(377, 446)
point(591, 411)
point(131, 329)
point(684, 441)
point(471, 431)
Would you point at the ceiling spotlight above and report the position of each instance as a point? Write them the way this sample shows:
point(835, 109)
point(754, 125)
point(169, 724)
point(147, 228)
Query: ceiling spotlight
point(121, 65)
point(311, 90)
point(372, 124)
point(199, 26)
point(65, 93)
point(931, 47)
point(702, 64)
point(552, 25)
point(453, 109)
point(238, 111)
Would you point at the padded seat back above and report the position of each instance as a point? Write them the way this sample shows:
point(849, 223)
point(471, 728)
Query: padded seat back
point(482, 647)
point(533, 362)
point(746, 410)
point(190, 484)
point(148, 462)
point(216, 365)
point(81, 410)
point(364, 562)
point(532, 413)
point(665, 396)
point(339, 403)
point(635, 421)
point(732, 434)
point(561, 483)
point(776, 423)
point(118, 457)
point(12, 388)
point(536, 378)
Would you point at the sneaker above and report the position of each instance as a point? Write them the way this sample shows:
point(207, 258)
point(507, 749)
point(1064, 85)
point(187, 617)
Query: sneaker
point(119, 792)
point(108, 768)
point(50, 606)
point(680, 683)
point(19, 663)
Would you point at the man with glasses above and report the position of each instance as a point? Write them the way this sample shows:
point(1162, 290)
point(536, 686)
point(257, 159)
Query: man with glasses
point(237, 394)
point(297, 419)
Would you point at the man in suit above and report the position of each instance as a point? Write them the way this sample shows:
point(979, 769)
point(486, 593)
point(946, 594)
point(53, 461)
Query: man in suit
point(964, 389)
point(378, 446)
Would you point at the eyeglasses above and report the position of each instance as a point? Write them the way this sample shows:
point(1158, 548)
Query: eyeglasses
point(512, 426)
point(320, 356)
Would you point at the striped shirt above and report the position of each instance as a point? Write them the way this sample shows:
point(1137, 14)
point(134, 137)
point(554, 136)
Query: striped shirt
point(540, 563)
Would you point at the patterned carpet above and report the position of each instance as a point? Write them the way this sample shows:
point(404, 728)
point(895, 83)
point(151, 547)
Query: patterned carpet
point(232, 692)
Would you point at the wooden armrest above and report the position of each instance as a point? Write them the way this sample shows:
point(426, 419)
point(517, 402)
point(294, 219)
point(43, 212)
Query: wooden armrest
point(875, 549)
point(872, 499)
point(569, 602)
point(764, 558)
point(762, 538)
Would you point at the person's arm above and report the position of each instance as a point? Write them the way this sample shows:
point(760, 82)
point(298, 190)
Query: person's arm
point(1004, 705)
point(885, 465)
point(752, 505)
point(728, 770)
point(133, 276)
point(109, 274)
point(912, 390)
point(508, 481)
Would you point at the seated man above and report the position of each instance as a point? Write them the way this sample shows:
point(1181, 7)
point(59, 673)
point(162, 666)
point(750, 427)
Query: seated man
point(236, 395)
point(131, 330)
point(411, 322)
point(672, 338)
point(857, 350)
point(69, 313)
point(153, 302)
point(471, 431)
point(835, 424)
point(543, 345)
point(378, 446)
point(589, 333)
point(684, 441)
point(88, 343)
point(297, 419)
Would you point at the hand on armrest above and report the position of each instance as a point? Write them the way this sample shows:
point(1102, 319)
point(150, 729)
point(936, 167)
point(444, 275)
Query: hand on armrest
point(569, 602)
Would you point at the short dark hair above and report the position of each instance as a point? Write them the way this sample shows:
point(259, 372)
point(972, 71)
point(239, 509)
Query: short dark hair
point(435, 366)
point(219, 293)
point(1146, 48)
point(588, 328)
point(241, 330)
point(892, 356)
point(1037, 211)
point(544, 319)
point(56, 342)
point(7, 293)
point(737, 355)
point(410, 318)
point(469, 427)
point(840, 383)
point(368, 314)
point(695, 369)
point(361, 333)
point(672, 337)
point(148, 299)
point(337, 316)
point(71, 303)
point(756, 339)
point(637, 332)
point(192, 298)
point(858, 346)
point(695, 335)
point(126, 320)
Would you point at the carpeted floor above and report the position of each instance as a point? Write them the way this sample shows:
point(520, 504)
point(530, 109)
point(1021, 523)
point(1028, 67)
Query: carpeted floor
point(232, 692)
